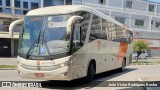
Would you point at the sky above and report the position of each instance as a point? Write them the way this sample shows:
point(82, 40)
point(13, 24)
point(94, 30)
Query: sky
point(155, 0)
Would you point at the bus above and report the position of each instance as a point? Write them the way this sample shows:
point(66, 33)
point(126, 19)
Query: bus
point(70, 42)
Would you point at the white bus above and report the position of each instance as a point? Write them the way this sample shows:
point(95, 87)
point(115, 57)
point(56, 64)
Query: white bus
point(71, 42)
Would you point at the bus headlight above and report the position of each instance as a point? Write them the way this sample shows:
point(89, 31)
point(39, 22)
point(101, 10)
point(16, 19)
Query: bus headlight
point(64, 64)
point(61, 65)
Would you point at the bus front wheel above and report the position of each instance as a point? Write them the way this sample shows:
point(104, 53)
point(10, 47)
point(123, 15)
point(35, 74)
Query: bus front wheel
point(90, 73)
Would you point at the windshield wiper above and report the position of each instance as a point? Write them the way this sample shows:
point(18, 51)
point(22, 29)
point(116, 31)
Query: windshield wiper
point(37, 41)
point(33, 45)
point(44, 42)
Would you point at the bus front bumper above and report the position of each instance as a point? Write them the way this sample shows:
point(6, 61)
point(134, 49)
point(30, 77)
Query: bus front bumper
point(57, 74)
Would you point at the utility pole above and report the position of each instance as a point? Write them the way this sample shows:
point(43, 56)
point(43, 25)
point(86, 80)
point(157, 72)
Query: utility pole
point(42, 3)
point(12, 39)
point(13, 11)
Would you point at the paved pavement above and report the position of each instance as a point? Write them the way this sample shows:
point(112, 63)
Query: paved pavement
point(132, 73)
point(8, 61)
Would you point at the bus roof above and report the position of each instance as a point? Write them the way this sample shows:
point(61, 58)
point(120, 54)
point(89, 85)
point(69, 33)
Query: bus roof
point(64, 9)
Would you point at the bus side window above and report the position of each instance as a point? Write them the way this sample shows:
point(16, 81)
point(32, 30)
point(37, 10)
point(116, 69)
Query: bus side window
point(104, 29)
point(95, 32)
point(84, 25)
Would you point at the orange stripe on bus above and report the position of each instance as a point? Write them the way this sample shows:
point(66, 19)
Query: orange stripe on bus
point(38, 62)
point(98, 43)
point(122, 51)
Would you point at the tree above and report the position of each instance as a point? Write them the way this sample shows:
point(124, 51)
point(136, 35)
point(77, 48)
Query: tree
point(139, 46)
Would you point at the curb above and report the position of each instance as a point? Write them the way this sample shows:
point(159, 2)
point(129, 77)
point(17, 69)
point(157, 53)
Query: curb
point(8, 68)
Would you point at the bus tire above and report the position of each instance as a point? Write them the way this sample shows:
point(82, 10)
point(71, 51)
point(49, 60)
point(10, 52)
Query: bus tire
point(123, 66)
point(90, 73)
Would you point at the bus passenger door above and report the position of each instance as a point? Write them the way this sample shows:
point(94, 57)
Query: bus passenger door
point(76, 51)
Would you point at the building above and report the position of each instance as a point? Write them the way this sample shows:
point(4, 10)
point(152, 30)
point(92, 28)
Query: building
point(11, 10)
point(142, 16)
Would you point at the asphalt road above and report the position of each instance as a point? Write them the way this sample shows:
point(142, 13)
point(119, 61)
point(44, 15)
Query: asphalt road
point(132, 73)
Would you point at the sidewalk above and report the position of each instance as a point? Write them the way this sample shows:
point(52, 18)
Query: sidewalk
point(156, 57)
point(150, 59)
point(8, 61)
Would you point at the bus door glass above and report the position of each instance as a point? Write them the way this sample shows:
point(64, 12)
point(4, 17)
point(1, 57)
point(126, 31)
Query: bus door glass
point(77, 43)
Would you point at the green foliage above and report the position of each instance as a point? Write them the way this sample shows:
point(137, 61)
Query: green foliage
point(139, 46)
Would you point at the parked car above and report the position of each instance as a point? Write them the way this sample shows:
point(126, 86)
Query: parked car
point(143, 55)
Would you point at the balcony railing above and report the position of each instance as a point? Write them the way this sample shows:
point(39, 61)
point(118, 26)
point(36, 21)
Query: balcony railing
point(4, 28)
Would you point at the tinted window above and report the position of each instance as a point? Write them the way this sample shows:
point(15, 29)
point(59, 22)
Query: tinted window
point(0, 2)
point(95, 29)
point(7, 2)
point(84, 24)
point(139, 22)
point(98, 29)
point(68, 2)
point(128, 4)
point(151, 8)
point(34, 5)
point(25, 4)
point(17, 3)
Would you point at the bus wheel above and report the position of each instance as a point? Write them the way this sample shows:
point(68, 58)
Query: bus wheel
point(123, 66)
point(90, 73)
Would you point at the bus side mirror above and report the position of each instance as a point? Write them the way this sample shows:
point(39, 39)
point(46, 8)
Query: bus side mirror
point(71, 21)
point(13, 24)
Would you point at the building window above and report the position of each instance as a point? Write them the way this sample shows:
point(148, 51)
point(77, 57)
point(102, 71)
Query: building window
point(6, 22)
point(157, 25)
point(120, 19)
point(17, 3)
point(128, 4)
point(25, 12)
point(1, 10)
point(102, 1)
point(68, 2)
point(1, 2)
point(47, 3)
point(34, 5)
point(7, 2)
point(25, 4)
point(151, 8)
point(139, 22)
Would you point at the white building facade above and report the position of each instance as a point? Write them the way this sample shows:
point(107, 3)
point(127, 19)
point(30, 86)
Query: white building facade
point(142, 16)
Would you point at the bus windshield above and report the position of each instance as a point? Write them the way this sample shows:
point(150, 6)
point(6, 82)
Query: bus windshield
point(44, 35)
